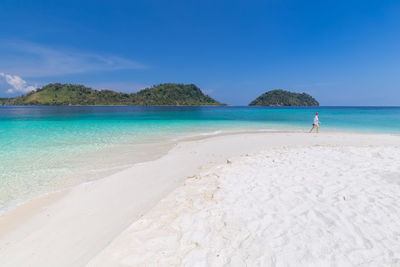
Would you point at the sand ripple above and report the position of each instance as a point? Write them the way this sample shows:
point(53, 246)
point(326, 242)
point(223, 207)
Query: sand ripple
point(304, 206)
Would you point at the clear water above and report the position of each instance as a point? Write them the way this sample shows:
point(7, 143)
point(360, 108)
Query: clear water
point(43, 149)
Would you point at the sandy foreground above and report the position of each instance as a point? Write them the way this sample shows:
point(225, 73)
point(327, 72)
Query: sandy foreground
point(265, 199)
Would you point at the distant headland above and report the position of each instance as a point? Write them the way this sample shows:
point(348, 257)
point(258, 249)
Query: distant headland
point(167, 94)
point(279, 97)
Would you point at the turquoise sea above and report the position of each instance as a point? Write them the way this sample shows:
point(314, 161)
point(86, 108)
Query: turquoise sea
point(44, 149)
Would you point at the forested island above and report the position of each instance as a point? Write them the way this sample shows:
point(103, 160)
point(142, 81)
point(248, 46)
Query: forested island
point(167, 94)
point(279, 97)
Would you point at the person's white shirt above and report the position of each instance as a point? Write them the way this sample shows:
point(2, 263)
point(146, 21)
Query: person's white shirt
point(316, 120)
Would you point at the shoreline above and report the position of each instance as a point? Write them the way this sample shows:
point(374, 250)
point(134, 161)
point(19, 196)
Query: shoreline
point(163, 148)
point(167, 146)
point(86, 204)
point(153, 152)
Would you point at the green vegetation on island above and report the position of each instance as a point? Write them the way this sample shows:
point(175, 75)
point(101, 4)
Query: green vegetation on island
point(173, 94)
point(281, 97)
point(168, 94)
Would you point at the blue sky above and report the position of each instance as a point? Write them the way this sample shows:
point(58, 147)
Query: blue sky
point(341, 52)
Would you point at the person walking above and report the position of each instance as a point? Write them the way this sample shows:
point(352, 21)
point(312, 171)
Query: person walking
point(316, 123)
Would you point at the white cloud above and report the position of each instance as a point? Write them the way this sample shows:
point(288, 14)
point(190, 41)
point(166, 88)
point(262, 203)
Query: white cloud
point(17, 83)
point(34, 60)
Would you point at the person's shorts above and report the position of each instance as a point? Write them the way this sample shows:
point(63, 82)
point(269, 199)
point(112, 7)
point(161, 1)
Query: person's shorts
point(315, 124)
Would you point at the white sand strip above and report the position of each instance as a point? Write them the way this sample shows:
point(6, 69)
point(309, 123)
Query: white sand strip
point(309, 206)
point(74, 228)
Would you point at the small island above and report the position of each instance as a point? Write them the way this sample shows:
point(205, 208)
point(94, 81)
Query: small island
point(279, 97)
point(167, 94)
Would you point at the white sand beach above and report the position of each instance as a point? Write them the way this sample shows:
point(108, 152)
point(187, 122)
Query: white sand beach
point(249, 199)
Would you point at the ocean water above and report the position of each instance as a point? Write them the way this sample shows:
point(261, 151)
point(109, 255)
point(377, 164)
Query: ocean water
point(43, 149)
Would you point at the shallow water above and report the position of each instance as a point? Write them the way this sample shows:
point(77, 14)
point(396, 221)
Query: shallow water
point(44, 149)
